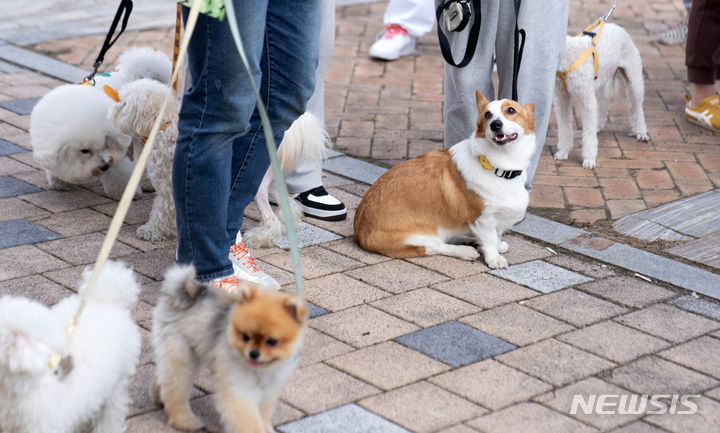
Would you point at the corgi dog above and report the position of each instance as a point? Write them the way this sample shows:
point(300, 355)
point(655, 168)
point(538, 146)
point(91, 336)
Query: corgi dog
point(423, 206)
point(249, 338)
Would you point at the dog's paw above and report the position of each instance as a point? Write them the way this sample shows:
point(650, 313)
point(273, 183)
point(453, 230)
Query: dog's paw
point(560, 155)
point(641, 136)
point(496, 262)
point(258, 238)
point(58, 184)
point(186, 421)
point(149, 233)
point(589, 163)
point(503, 247)
point(466, 252)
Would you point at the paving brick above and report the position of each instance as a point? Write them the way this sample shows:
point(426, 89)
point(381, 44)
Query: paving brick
point(460, 428)
point(485, 290)
point(653, 375)
point(349, 248)
point(35, 287)
point(307, 235)
point(587, 197)
point(700, 355)
point(455, 343)
point(619, 188)
point(589, 389)
point(338, 291)
point(423, 407)
point(11, 187)
point(450, 266)
point(638, 427)
point(7, 148)
point(620, 208)
point(528, 417)
point(517, 324)
point(60, 201)
point(396, 276)
point(22, 106)
point(590, 268)
point(491, 384)
point(541, 276)
point(66, 223)
point(669, 323)
point(328, 387)
point(362, 326)
point(613, 341)
point(520, 250)
point(26, 260)
point(555, 362)
point(686, 171)
point(699, 306)
point(314, 261)
point(425, 307)
point(654, 179)
point(388, 365)
point(659, 196)
point(318, 347)
point(705, 420)
point(547, 196)
point(575, 307)
point(349, 418)
point(21, 232)
point(631, 292)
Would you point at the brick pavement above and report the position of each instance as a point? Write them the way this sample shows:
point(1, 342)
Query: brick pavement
point(432, 344)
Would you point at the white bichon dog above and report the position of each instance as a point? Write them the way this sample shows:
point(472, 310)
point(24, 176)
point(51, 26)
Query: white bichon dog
point(90, 393)
point(619, 62)
point(135, 114)
point(72, 138)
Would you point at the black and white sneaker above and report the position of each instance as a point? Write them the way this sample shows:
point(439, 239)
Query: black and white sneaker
point(318, 203)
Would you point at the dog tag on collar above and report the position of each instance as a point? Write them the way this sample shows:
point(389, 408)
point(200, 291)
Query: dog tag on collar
point(485, 162)
point(64, 367)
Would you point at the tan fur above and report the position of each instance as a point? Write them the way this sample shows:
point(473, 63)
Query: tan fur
point(417, 196)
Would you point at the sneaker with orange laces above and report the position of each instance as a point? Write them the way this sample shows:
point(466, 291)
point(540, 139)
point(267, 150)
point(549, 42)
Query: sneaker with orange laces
point(229, 284)
point(244, 267)
point(394, 43)
point(706, 114)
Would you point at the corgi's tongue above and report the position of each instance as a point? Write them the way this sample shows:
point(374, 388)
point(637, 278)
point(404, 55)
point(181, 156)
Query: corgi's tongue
point(502, 138)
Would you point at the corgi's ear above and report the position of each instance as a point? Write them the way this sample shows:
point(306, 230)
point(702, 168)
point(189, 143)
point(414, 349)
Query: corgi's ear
point(481, 101)
point(297, 308)
point(530, 109)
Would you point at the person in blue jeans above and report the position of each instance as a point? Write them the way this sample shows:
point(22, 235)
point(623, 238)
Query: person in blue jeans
point(221, 155)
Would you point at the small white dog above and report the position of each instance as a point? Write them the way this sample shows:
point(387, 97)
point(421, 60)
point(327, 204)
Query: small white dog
point(89, 395)
point(306, 139)
point(619, 61)
point(72, 138)
point(135, 114)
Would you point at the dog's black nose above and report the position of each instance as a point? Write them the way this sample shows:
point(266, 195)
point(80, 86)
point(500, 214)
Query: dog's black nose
point(254, 354)
point(496, 125)
point(104, 167)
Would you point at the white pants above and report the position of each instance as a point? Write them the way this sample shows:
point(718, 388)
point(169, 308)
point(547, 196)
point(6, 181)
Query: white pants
point(415, 16)
point(545, 24)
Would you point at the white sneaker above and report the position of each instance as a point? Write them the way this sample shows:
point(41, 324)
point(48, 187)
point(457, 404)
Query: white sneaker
point(394, 43)
point(244, 267)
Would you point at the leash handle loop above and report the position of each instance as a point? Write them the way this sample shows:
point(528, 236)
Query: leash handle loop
point(123, 13)
point(472, 37)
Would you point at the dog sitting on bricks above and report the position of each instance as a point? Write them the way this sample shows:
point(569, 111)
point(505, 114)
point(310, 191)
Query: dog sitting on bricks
point(424, 205)
point(590, 90)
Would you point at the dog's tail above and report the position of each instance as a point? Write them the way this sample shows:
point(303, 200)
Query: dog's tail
point(145, 62)
point(306, 139)
point(180, 288)
point(115, 285)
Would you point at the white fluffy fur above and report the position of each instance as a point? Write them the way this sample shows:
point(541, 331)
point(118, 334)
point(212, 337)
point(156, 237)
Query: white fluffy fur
point(104, 348)
point(135, 114)
point(72, 138)
point(619, 61)
point(306, 139)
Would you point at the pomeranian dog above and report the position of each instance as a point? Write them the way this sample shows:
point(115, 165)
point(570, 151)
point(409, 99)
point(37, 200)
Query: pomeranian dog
point(619, 63)
point(88, 394)
point(477, 187)
point(134, 114)
point(71, 136)
point(249, 339)
point(306, 139)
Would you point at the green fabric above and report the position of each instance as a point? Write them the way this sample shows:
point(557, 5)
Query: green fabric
point(213, 8)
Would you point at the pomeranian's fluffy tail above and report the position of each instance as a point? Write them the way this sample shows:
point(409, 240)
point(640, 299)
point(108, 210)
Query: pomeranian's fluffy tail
point(115, 285)
point(306, 139)
point(145, 62)
point(180, 289)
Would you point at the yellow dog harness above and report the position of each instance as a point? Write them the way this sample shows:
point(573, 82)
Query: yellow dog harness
point(589, 51)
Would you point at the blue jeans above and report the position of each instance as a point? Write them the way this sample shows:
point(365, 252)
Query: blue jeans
point(221, 154)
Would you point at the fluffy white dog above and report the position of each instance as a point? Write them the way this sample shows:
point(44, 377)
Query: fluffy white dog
point(306, 139)
point(619, 63)
point(139, 106)
point(92, 394)
point(71, 136)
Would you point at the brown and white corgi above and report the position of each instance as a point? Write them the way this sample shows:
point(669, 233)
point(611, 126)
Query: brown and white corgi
point(477, 187)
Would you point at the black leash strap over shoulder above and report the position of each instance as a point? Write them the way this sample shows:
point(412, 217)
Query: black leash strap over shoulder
point(472, 37)
point(123, 13)
point(518, 47)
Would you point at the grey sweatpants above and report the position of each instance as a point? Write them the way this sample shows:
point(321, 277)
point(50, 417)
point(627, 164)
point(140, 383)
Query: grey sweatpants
point(307, 174)
point(545, 24)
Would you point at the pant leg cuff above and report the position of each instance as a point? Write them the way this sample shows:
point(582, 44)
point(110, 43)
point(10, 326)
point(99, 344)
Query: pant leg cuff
point(701, 76)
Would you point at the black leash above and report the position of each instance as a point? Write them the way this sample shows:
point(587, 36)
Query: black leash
point(518, 47)
point(123, 12)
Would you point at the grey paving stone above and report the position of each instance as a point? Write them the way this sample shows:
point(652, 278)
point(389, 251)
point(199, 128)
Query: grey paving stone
point(354, 169)
point(455, 343)
point(308, 235)
point(22, 107)
point(541, 276)
point(11, 187)
point(21, 232)
point(700, 306)
point(315, 311)
point(347, 419)
point(649, 264)
point(546, 230)
point(7, 148)
point(704, 250)
point(38, 62)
